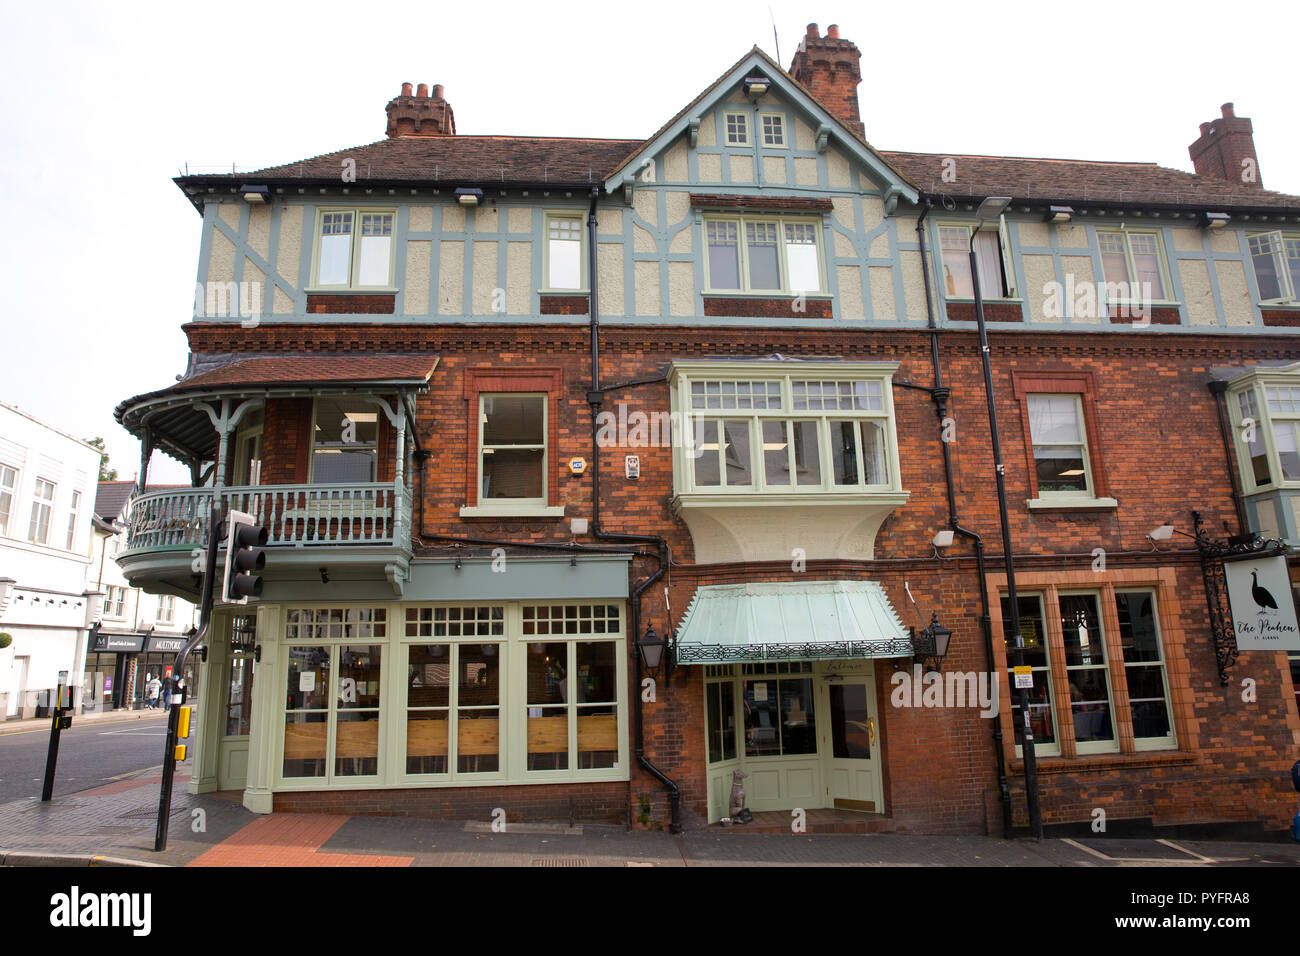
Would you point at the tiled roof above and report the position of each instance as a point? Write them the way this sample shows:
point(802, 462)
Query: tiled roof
point(311, 369)
point(461, 159)
point(1076, 179)
point(111, 497)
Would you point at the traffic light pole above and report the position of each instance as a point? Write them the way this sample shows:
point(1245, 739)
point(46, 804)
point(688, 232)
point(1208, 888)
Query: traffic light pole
point(174, 712)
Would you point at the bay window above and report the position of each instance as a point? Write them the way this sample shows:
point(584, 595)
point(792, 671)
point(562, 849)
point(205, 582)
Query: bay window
point(354, 249)
point(788, 434)
point(769, 254)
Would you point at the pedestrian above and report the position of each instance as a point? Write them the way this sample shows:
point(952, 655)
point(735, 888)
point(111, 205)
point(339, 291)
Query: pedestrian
point(166, 695)
point(153, 686)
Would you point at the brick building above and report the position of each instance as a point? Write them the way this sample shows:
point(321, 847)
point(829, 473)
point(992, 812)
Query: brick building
point(506, 404)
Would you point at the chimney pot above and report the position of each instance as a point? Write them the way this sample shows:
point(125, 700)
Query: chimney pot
point(1205, 129)
point(1226, 108)
point(422, 91)
point(406, 89)
point(834, 83)
point(833, 31)
point(813, 31)
point(437, 91)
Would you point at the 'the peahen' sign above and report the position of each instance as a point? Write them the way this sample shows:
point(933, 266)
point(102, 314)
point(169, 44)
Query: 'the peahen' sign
point(1263, 611)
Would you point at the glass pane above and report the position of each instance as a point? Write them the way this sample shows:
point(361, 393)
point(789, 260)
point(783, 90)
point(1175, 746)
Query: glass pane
point(801, 257)
point(1040, 711)
point(376, 256)
point(737, 453)
point(1054, 420)
point(1114, 261)
point(1285, 439)
point(1266, 258)
point(873, 453)
point(1090, 704)
point(850, 734)
point(798, 723)
point(304, 744)
point(478, 741)
point(844, 452)
point(762, 719)
point(956, 263)
point(548, 666)
point(356, 743)
point(359, 677)
point(239, 696)
point(513, 420)
point(764, 257)
point(722, 722)
point(597, 673)
point(597, 737)
point(1137, 627)
point(309, 678)
point(336, 466)
point(1146, 696)
point(548, 738)
point(724, 255)
point(1060, 468)
point(426, 741)
point(1146, 260)
point(1081, 630)
point(988, 258)
point(335, 260)
point(807, 453)
point(566, 263)
point(479, 675)
point(707, 472)
point(776, 453)
point(1031, 630)
point(513, 473)
point(428, 675)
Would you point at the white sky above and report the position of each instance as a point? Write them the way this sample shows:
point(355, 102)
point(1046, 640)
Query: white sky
point(100, 104)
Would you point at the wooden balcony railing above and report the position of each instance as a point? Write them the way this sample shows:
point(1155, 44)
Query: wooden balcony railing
point(293, 515)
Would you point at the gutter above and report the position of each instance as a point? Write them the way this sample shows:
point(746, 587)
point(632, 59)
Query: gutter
point(939, 394)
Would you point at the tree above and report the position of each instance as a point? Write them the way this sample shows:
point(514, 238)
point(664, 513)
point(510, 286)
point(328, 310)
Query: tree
point(105, 473)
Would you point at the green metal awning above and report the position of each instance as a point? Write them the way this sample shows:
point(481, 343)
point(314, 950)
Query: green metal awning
point(814, 620)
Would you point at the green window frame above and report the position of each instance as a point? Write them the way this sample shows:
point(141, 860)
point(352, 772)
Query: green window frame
point(355, 248)
point(1053, 442)
point(765, 255)
point(564, 239)
point(1133, 257)
point(992, 257)
point(1275, 257)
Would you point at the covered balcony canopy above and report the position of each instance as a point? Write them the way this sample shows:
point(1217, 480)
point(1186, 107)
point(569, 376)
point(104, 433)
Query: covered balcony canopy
point(181, 419)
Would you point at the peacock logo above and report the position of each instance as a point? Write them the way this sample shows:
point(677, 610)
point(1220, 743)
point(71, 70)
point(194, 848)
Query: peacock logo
point(1261, 595)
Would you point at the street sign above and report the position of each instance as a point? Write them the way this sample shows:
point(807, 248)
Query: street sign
point(1263, 611)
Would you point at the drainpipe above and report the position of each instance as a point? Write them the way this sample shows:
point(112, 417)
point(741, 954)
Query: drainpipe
point(594, 398)
point(940, 396)
point(1220, 392)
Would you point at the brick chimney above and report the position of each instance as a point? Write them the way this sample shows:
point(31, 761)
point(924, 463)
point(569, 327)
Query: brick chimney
point(829, 68)
point(1226, 150)
point(425, 113)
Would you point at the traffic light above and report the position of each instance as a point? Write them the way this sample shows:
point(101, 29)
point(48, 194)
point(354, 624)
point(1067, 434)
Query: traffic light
point(244, 558)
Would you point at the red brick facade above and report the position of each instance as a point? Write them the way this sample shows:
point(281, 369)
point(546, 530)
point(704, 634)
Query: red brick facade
point(1150, 414)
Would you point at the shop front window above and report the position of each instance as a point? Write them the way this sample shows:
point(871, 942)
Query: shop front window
point(779, 719)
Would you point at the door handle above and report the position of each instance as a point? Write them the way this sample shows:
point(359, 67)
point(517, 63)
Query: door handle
point(871, 729)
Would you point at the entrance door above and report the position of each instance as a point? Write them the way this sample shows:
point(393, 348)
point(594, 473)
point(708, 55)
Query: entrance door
point(18, 667)
point(850, 743)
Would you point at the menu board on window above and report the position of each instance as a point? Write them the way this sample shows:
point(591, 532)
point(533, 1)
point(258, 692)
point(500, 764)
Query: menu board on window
point(1263, 611)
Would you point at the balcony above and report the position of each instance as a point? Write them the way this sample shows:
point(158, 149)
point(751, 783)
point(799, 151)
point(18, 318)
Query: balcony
point(318, 448)
point(348, 526)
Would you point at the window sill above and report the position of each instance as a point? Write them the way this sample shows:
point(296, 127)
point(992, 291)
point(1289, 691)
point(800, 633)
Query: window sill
point(583, 291)
point(347, 290)
point(513, 511)
point(748, 499)
point(1107, 761)
point(765, 294)
point(988, 299)
point(1072, 504)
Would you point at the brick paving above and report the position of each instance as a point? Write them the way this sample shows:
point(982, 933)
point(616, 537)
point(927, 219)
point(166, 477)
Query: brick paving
point(117, 822)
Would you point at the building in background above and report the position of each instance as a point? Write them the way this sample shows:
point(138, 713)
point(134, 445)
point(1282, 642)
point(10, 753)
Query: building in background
point(509, 407)
point(136, 634)
point(47, 486)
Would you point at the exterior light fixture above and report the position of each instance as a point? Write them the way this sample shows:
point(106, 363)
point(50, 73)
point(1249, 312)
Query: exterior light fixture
point(943, 539)
point(756, 86)
point(932, 643)
point(1162, 533)
point(256, 194)
point(654, 650)
point(990, 209)
point(1058, 214)
point(469, 197)
point(1214, 220)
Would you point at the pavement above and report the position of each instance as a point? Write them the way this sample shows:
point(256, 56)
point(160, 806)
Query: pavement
point(106, 717)
point(114, 825)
